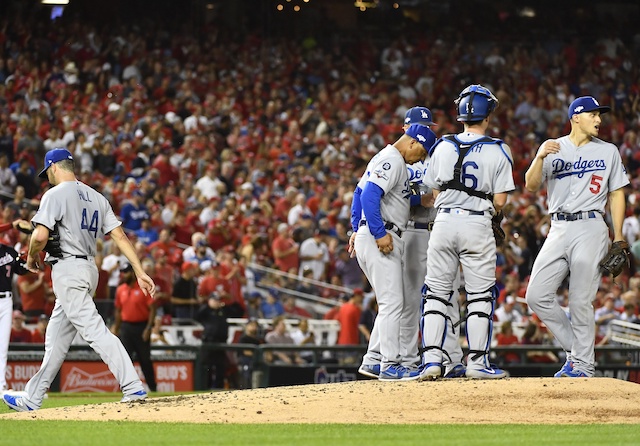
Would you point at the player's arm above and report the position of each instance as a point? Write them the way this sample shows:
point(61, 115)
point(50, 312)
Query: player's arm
point(499, 200)
point(37, 243)
point(533, 177)
point(617, 205)
point(122, 241)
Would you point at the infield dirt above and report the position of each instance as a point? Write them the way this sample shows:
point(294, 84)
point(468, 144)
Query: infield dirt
point(511, 400)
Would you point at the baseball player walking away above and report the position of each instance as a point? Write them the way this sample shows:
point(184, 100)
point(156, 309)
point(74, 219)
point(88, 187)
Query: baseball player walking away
point(379, 214)
point(71, 217)
point(416, 241)
point(581, 170)
point(470, 175)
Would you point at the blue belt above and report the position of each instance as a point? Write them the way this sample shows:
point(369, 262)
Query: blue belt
point(421, 225)
point(388, 226)
point(53, 262)
point(476, 213)
point(559, 216)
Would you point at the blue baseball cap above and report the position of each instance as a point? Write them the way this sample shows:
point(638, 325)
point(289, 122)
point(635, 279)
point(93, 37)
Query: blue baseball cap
point(586, 104)
point(418, 115)
point(423, 134)
point(54, 156)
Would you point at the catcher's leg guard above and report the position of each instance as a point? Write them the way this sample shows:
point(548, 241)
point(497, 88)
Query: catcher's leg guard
point(480, 309)
point(433, 326)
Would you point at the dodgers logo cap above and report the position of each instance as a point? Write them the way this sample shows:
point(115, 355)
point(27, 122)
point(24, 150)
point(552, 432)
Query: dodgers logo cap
point(423, 134)
point(586, 104)
point(54, 156)
point(418, 115)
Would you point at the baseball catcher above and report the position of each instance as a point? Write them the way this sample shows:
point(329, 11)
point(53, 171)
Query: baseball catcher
point(616, 259)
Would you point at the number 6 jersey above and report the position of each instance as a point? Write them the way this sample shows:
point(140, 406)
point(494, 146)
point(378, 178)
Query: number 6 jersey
point(81, 215)
point(579, 178)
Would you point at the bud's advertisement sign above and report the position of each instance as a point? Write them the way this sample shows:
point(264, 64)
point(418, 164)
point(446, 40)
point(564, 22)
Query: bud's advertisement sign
point(96, 377)
point(20, 372)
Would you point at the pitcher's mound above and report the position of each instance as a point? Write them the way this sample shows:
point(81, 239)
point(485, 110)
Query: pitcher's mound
point(511, 400)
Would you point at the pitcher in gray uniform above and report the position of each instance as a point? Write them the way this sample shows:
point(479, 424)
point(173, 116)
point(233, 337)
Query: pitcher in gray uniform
point(379, 214)
point(77, 215)
point(416, 241)
point(470, 175)
point(581, 171)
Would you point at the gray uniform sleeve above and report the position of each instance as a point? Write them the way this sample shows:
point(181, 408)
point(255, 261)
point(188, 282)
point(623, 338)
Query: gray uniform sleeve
point(49, 212)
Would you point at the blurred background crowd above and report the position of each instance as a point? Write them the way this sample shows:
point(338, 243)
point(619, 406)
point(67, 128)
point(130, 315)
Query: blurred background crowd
point(230, 150)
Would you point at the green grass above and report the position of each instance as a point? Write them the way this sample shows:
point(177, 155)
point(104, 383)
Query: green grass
point(123, 433)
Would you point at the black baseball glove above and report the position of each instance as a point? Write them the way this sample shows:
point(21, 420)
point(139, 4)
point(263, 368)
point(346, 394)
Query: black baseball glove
point(498, 232)
point(53, 244)
point(24, 227)
point(616, 259)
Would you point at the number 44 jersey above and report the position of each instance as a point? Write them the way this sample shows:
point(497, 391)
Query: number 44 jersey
point(79, 214)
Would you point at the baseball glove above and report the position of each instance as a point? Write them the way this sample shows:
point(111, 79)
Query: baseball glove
point(53, 244)
point(24, 227)
point(616, 259)
point(498, 232)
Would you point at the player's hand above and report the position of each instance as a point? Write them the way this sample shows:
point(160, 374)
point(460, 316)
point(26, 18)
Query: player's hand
point(548, 147)
point(147, 286)
point(385, 244)
point(32, 265)
point(426, 200)
point(351, 249)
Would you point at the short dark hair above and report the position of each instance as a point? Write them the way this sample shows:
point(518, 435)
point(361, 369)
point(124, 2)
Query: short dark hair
point(68, 165)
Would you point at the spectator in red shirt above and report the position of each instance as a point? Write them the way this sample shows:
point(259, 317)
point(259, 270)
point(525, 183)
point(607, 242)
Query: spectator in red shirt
point(349, 317)
point(33, 293)
point(285, 250)
point(507, 337)
point(38, 333)
point(19, 333)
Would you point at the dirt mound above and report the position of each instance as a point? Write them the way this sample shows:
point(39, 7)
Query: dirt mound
point(511, 400)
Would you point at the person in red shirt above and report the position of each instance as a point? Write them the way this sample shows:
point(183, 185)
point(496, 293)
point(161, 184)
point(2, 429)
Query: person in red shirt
point(19, 333)
point(38, 333)
point(507, 337)
point(349, 317)
point(285, 250)
point(33, 293)
point(135, 314)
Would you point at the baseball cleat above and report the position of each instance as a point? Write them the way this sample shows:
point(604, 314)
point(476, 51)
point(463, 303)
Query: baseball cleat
point(397, 372)
point(573, 373)
point(567, 367)
point(457, 371)
point(137, 396)
point(17, 403)
point(430, 371)
point(486, 373)
point(372, 371)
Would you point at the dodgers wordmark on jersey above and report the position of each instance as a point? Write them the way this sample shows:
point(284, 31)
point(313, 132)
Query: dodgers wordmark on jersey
point(579, 179)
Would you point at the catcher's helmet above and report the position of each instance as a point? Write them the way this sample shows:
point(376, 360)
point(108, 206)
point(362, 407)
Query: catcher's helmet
point(475, 103)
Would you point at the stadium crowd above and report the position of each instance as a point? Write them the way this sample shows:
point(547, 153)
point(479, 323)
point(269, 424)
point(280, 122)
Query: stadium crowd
point(220, 153)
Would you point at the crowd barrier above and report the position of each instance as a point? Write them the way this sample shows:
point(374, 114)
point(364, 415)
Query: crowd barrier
point(181, 368)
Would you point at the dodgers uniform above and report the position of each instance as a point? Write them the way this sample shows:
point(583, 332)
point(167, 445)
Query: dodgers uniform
point(579, 180)
point(462, 235)
point(387, 170)
point(80, 215)
point(416, 238)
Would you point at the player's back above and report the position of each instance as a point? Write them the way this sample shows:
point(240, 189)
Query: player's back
point(486, 168)
point(82, 215)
